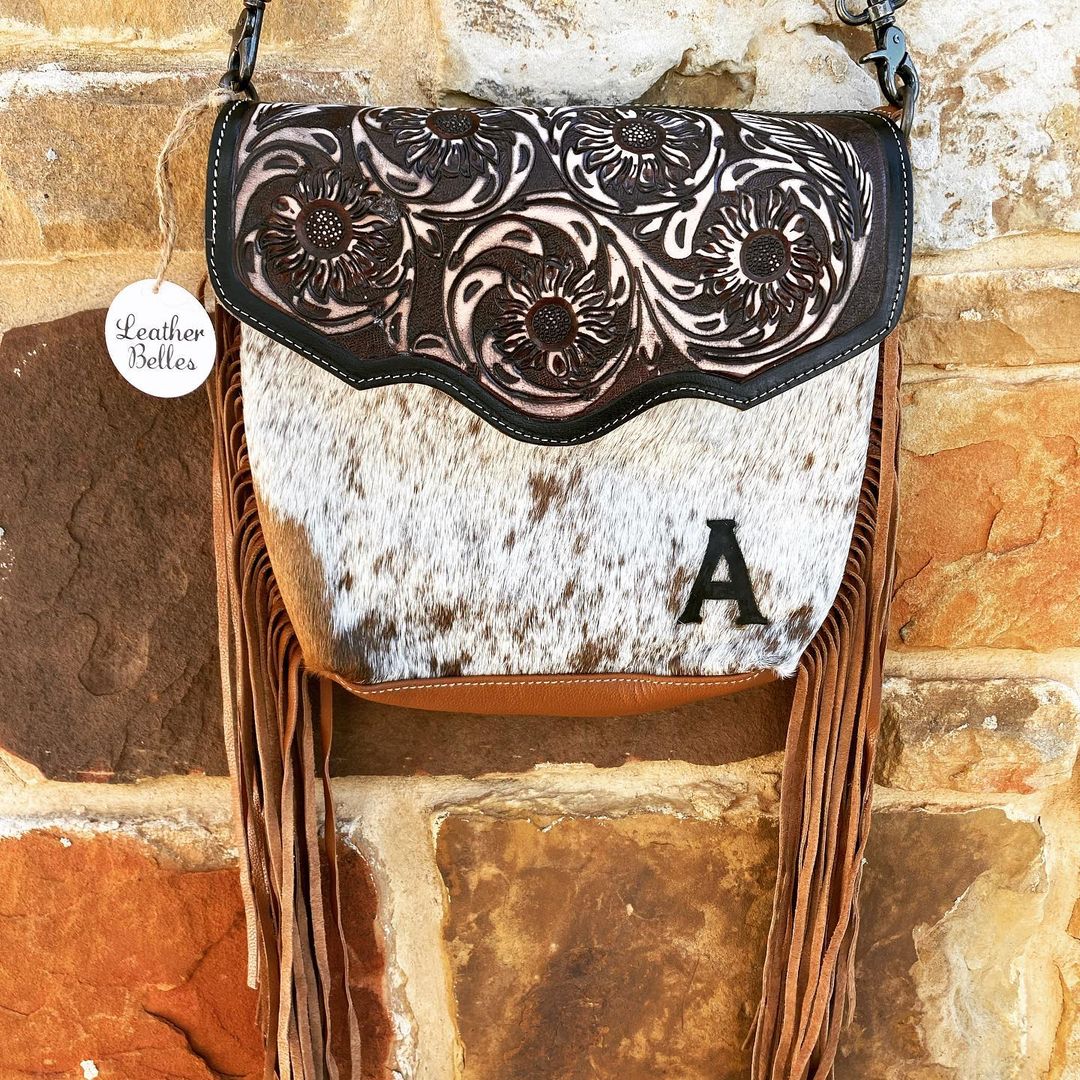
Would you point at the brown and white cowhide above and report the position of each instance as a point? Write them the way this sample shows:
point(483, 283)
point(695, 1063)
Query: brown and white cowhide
point(412, 540)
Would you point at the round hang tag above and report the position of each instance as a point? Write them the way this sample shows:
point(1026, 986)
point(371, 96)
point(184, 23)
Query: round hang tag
point(161, 342)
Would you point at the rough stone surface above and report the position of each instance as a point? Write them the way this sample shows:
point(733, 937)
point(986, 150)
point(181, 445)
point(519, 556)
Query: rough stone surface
point(391, 47)
point(174, 21)
point(367, 964)
point(632, 947)
point(623, 948)
point(73, 181)
point(996, 146)
point(116, 954)
point(1066, 1059)
point(1004, 319)
point(977, 735)
point(114, 957)
point(108, 630)
point(558, 53)
point(950, 983)
point(381, 740)
point(990, 497)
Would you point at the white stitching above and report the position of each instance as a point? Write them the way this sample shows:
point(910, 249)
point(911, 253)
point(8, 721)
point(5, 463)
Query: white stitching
point(491, 417)
point(566, 680)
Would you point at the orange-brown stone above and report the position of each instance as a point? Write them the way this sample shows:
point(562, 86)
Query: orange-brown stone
point(109, 627)
point(990, 478)
point(977, 735)
point(952, 907)
point(632, 947)
point(116, 954)
point(305, 21)
point(1012, 318)
point(606, 948)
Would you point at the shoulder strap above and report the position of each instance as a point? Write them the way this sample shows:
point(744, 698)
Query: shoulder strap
point(897, 74)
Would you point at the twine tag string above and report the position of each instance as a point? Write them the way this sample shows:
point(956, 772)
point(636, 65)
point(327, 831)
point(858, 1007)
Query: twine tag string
point(185, 124)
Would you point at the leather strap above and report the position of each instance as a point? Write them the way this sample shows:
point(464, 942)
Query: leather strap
point(897, 73)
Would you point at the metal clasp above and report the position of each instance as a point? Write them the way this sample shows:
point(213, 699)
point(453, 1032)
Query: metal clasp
point(245, 49)
point(897, 74)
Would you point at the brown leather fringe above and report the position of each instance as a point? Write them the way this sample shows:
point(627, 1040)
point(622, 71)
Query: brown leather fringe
point(277, 722)
point(272, 714)
point(808, 985)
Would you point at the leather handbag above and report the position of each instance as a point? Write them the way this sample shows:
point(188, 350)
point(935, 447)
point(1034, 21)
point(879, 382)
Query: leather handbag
point(580, 411)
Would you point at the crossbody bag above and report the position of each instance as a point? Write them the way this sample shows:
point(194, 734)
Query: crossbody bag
point(576, 411)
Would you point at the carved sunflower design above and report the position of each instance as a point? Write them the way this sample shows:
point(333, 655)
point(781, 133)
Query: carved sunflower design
point(760, 259)
point(637, 150)
point(330, 234)
point(557, 320)
point(445, 142)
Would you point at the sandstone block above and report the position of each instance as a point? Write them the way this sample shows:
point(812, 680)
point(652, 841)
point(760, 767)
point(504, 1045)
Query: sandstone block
point(990, 494)
point(977, 735)
point(952, 984)
point(1008, 319)
point(109, 633)
point(634, 945)
point(206, 24)
point(555, 53)
point(118, 955)
point(117, 958)
point(45, 292)
point(392, 48)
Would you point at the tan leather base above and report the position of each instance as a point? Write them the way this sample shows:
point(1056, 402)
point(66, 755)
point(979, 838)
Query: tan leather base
point(556, 695)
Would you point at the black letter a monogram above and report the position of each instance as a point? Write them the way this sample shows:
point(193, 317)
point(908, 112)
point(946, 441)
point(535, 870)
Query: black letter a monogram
point(723, 545)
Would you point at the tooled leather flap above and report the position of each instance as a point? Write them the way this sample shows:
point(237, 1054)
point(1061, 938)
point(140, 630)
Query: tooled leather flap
point(559, 271)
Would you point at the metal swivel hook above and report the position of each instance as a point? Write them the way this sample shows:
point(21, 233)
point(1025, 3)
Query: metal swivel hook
point(897, 74)
point(245, 49)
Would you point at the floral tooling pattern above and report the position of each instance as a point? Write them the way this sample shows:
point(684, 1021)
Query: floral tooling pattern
point(326, 235)
point(556, 257)
point(759, 258)
point(554, 319)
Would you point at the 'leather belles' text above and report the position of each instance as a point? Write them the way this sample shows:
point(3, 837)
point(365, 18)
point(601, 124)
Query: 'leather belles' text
point(160, 338)
point(158, 347)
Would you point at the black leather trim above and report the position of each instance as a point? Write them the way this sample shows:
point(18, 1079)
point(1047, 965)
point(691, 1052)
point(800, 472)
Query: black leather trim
point(402, 368)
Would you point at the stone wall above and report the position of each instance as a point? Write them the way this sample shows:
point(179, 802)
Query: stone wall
point(533, 900)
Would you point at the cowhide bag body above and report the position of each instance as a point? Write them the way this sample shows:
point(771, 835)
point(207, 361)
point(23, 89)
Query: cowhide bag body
point(557, 411)
point(581, 411)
